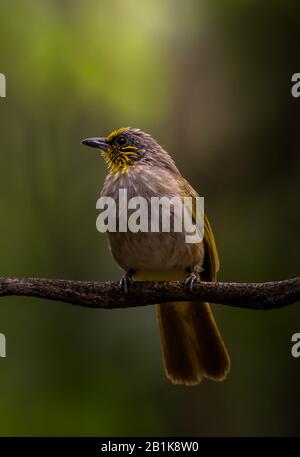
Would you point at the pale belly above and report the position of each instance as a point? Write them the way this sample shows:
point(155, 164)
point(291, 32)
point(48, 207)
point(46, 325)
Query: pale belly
point(151, 251)
point(155, 251)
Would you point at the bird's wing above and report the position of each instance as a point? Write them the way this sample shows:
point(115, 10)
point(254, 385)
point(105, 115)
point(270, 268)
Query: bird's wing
point(211, 264)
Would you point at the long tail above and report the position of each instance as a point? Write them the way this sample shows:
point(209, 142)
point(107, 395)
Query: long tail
point(191, 343)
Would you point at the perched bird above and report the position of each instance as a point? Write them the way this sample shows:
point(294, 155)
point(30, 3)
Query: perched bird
point(192, 346)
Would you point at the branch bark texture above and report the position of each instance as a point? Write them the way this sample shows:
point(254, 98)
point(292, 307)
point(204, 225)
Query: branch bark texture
point(107, 295)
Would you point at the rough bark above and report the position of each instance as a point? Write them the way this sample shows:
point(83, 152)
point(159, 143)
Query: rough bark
point(108, 295)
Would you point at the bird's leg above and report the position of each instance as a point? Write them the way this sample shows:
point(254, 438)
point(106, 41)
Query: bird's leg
point(190, 280)
point(126, 281)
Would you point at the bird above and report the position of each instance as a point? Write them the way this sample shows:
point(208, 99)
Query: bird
point(191, 343)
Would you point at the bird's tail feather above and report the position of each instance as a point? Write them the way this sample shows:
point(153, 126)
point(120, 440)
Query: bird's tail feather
point(191, 343)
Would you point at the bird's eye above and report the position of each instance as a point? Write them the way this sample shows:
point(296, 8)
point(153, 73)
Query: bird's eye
point(121, 140)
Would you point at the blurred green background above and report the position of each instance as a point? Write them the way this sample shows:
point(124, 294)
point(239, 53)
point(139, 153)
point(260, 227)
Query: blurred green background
point(211, 81)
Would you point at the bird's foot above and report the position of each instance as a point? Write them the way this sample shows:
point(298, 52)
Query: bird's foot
point(126, 281)
point(190, 281)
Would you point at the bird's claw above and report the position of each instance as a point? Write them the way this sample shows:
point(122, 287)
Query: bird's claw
point(126, 281)
point(190, 281)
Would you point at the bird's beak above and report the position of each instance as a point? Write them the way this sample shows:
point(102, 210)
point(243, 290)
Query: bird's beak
point(96, 142)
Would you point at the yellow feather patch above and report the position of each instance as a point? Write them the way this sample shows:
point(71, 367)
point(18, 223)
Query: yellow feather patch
point(119, 163)
point(116, 133)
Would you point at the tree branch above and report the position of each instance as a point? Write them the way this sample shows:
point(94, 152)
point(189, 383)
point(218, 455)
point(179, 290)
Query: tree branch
point(268, 295)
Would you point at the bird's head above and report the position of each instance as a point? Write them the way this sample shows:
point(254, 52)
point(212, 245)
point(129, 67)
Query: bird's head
point(126, 147)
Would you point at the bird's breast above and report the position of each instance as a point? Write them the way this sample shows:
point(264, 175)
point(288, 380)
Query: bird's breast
point(148, 250)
